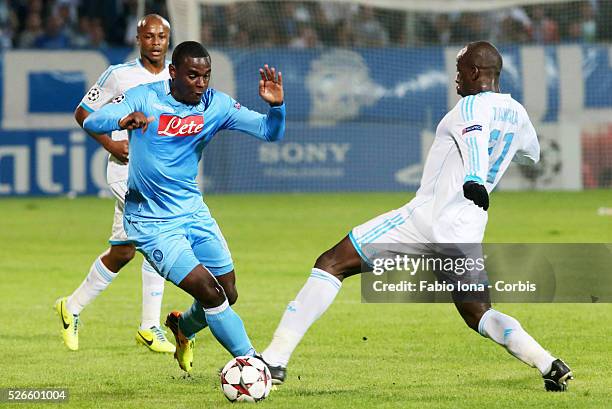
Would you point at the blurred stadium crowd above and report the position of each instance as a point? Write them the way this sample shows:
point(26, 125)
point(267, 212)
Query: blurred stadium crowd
point(60, 24)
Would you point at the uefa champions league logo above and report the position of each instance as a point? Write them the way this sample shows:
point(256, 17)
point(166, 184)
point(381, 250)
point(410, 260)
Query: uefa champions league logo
point(118, 99)
point(94, 94)
point(550, 165)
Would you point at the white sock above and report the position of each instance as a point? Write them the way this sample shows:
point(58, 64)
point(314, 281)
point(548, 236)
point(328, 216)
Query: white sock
point(97, 280)
point(152, 294)
point(508, 332)
point(311, 302)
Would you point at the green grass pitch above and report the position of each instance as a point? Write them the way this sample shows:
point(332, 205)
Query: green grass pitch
point(357, 355)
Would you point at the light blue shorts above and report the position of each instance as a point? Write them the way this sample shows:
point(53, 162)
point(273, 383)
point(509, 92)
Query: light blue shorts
point(175, 247)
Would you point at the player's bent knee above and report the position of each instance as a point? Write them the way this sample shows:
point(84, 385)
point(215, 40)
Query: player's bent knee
point(122, 254)
point(211, 295)
point(232, 295)
point(472, 312)
point(341, 261)
point(231, 292)
point(472, 322)
point(329, 263)
point(118, 256)
point(202, 286)
point(325, 261)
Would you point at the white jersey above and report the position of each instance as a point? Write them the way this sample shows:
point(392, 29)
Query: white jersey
point(112, 83)
point(475, 141)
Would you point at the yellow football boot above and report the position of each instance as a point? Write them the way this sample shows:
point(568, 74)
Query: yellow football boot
point(155, 339)
point(70, 325)
point(184, 346)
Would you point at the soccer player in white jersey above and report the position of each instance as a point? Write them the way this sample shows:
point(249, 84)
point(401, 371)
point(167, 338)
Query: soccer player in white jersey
point(474, 145)
point(153, 35)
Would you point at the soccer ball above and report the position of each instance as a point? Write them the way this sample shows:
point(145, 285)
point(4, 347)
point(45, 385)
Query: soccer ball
point(246, 379)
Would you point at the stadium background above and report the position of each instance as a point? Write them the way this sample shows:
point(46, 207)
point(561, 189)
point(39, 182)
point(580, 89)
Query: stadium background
point(365, 87)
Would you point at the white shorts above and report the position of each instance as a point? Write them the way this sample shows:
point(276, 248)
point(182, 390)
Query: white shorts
point(116, 171)
point(396, 232)
point(118, 235)
point(394, 228)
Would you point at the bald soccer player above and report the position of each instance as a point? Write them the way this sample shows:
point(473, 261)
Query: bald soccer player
point(153, 36)
point(474, 145)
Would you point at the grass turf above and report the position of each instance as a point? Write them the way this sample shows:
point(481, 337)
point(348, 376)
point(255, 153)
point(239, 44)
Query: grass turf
point(357, 355)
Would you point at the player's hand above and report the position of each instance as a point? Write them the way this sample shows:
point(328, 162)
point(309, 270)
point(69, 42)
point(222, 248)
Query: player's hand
point(477, 193)
point(135, 120)
point(119, 149)
point(271, 86)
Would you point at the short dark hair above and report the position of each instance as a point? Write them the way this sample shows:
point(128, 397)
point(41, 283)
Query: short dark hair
point(188, 49)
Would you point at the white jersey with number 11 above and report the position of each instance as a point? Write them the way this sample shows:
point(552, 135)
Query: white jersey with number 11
point(475, 141)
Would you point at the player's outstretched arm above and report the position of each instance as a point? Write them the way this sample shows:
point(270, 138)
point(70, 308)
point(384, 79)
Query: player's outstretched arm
point(270, 127)
point(119, 149)
point(271, 86)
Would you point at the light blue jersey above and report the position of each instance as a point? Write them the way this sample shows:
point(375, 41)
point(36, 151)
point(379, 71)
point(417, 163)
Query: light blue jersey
point(164, 159)
point(165, 216)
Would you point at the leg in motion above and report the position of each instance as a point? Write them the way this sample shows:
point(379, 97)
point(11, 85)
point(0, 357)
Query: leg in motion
point(101, 273)
point(508, 332)
point(225, 324)
point(150, 333)
point(315, 297)
point(193, 320)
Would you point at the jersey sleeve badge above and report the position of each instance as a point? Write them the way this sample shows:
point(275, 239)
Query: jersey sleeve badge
point(471, 128)
point(93, 94)
point(118, 99)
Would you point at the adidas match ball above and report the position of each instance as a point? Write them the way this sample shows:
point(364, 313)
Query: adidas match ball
point(246, 379)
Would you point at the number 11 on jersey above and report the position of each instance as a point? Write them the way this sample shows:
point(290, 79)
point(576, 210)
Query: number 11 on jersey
point(494, 136)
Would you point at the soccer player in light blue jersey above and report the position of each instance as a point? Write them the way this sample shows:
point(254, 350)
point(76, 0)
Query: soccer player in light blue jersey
point(170, 123)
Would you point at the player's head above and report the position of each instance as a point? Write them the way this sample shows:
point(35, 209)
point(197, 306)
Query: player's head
point(479, 66)
point(153, 36)
point(190, 72)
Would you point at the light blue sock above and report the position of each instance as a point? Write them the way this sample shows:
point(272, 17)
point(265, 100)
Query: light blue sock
point(229, 330)
point(193, 320)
